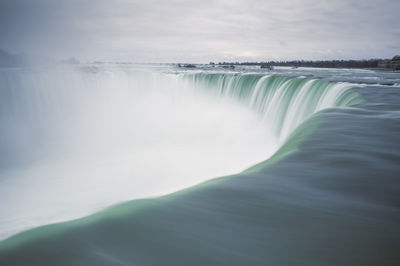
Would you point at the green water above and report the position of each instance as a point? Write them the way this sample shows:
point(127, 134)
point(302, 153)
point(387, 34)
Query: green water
point(328, 196)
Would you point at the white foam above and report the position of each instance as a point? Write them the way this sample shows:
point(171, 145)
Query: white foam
point(84, 141)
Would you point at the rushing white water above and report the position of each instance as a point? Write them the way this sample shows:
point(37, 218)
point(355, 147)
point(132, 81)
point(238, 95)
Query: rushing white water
point(74, 142)
point(283, 102)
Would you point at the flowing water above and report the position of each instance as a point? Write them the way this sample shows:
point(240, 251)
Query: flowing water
point(310, 159)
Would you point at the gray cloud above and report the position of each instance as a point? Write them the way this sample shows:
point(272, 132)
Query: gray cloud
point(178, 30)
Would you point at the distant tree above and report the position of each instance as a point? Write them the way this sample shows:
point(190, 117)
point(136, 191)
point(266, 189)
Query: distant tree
point(9, 60)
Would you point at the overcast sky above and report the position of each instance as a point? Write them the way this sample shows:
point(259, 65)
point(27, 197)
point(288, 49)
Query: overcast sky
point(201, 31)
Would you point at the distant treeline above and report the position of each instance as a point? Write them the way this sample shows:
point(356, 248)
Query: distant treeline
point(9, 60)
point(371, 63)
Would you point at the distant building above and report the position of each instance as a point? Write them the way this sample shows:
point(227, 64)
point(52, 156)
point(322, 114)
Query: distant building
point(384, 64)
point(393, 64)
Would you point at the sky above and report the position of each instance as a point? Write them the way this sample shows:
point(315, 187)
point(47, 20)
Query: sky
point(201, 31)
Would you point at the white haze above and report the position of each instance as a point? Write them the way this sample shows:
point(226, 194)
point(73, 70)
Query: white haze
point(83, 141)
